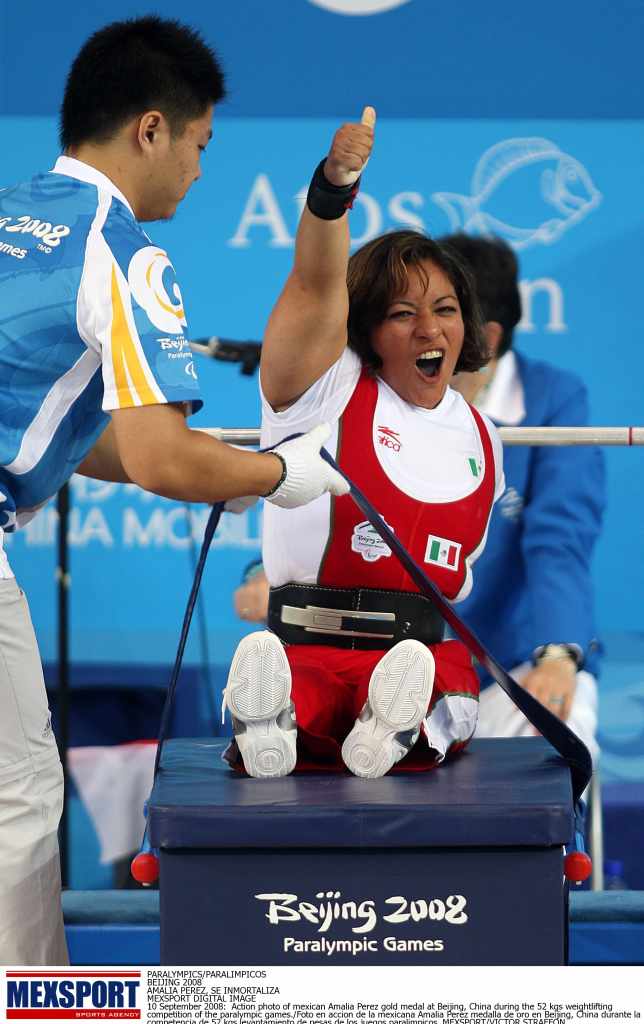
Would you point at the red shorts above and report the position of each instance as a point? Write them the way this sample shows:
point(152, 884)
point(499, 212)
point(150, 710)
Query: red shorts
point(330, 688)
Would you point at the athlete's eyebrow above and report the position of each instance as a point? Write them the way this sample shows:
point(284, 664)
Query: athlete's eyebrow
point(410, 302)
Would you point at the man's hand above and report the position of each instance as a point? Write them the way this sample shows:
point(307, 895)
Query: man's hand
point(553, 682)
point(350, 150)
point(251, 599)
point(307, 474)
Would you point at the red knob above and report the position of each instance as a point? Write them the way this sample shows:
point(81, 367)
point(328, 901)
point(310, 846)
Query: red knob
point(577, 866)
point(145, 868)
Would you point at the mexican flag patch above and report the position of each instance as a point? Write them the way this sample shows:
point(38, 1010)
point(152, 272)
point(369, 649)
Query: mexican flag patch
point(442, 552)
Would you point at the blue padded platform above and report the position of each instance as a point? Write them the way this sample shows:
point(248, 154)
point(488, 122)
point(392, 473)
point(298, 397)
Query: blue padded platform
point(112, 926)
point(501, 792)
point(607, 927)
point(111, 907)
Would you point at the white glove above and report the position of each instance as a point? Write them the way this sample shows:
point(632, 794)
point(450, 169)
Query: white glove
point(307, 474)
point(239, 505)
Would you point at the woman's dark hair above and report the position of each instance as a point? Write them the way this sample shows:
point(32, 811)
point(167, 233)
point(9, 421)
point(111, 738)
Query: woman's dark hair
point(378, 272)
point(132, 66)
point(495, 270)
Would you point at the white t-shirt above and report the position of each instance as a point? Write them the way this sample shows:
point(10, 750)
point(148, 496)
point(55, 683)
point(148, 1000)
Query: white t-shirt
point(429, 460)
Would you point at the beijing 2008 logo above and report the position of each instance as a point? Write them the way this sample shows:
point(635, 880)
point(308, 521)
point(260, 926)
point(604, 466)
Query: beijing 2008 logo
point(358, 6)
point(154, 286)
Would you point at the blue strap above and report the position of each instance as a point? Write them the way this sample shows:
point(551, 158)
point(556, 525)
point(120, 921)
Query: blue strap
point(565, 742)
point(166, 714)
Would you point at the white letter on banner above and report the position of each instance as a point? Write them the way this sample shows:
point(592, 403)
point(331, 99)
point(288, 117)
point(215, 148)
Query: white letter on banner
point(261, 209)
point(400, 214)
point(94, 528)
point(135, 534)
point(555, 324)
point(41, 531)
point(234, 532)
point(179, 528)
point(300, 199)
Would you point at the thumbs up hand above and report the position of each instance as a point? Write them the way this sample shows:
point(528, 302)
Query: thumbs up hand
point(350, 150)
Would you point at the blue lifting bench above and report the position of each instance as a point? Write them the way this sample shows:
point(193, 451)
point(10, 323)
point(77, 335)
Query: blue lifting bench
point(461, 865)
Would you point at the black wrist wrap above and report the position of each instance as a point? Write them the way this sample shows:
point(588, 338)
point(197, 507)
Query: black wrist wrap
point(327, 201)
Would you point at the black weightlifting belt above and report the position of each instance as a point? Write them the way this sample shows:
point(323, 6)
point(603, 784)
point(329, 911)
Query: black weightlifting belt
point(360, 619)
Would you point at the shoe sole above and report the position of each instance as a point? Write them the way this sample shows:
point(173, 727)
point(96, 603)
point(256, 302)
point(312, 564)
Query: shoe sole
point(258, 691)
point(400, 689)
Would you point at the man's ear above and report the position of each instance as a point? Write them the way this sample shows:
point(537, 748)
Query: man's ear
point(151, 126)
point(493, 332)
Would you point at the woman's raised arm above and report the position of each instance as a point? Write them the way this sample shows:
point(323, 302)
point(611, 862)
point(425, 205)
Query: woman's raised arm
point(307, 330)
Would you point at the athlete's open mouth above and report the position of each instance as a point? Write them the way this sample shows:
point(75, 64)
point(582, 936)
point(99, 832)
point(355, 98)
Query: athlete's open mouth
point(430, 362)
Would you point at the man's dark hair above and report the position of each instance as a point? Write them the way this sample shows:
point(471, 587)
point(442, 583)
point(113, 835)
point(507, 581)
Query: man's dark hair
point(495, 270)
point(378, 271)
point(132, 66)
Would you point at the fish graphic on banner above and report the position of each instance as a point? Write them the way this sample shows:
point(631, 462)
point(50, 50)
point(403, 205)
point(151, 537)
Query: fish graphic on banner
point(525, 190)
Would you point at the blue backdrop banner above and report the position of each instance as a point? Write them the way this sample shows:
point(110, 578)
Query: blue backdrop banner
point(522, 121)
point(409, 58)
point(564, 193)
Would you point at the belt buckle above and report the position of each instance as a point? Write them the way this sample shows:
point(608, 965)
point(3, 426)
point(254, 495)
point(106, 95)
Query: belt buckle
point(314, 619)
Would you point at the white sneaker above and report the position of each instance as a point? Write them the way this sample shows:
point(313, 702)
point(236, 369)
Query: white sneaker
point(400, 689)
point(258, 695)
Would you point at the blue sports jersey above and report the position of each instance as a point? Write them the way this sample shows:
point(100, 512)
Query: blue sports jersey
point(91, 320)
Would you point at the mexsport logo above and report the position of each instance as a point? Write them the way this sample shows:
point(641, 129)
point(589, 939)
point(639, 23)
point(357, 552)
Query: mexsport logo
point(73, 996)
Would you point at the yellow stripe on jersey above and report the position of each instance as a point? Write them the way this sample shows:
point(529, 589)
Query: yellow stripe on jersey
point(124, 354)
point(120, 332)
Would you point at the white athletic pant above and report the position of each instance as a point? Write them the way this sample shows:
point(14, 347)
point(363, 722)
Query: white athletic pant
point(31, 797)
point(498, 716)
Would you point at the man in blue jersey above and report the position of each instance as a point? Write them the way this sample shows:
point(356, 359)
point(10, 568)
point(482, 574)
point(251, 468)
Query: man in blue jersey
point(96, 377)
point(533, 602)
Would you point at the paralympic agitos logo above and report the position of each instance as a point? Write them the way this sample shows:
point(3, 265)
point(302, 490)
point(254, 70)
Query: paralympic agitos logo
point(32, 995)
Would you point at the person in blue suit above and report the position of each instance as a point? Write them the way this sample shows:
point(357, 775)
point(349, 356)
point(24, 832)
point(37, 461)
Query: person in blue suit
point(533, 603)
